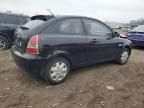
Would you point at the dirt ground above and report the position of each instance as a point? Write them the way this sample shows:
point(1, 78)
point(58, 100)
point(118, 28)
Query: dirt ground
point(106, 85)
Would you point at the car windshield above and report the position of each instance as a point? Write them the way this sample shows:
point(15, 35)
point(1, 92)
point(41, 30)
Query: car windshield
point(33, 24)
point(140, 28)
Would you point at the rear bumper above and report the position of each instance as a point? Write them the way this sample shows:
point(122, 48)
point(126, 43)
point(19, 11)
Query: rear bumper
point(137, 42)
point(29, 63)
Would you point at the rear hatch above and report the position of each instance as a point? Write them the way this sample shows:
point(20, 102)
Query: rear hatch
point(23, 33)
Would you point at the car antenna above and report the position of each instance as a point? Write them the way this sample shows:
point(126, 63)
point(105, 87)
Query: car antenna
point(51, 13)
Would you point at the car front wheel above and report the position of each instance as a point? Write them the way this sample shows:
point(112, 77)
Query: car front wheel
point(4, 44)
point(57, 70)
point(124, 56)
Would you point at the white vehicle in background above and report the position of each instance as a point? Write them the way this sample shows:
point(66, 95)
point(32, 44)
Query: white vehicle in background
point(123, 35)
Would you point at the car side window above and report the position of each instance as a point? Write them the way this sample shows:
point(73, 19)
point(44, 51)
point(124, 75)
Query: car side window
point(22, 20)
point(96, 28)
point(66, 26)
point(3, 18)
point(12, 20)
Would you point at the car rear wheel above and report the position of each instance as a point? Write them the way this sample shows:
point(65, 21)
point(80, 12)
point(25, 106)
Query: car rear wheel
point(57, 70)
point(4, 44)
point(124, 56)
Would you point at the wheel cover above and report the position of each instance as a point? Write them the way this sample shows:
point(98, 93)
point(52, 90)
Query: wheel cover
point(58, 71)
point(2, 44)
point(124, 56)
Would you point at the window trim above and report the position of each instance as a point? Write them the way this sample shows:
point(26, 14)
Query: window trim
point(98, 22)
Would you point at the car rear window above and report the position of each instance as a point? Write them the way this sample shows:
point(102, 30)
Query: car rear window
point(33, 24)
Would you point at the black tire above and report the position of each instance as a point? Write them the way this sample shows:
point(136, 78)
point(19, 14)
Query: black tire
point(5, 43)
point(119, 60)
point(47, 71)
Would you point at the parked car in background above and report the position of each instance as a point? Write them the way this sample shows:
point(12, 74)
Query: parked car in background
point(123, 36)
point(132, 27)
point(51, 48)
point(136, 35)
point(8, 24)
point(118, 27)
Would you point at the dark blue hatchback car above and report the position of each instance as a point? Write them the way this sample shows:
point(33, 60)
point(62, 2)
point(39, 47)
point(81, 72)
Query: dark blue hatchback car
point(136, 35)
point(53, 46)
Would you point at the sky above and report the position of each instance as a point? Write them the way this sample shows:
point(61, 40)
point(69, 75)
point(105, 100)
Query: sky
point(106, 10)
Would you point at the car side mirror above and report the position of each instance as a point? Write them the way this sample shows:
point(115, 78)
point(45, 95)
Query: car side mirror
point(116, 34)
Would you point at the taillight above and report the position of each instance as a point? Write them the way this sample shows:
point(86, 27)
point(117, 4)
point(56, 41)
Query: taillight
point(32, 46)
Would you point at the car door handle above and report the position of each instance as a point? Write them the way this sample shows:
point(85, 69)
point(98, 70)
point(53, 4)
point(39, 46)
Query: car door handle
point(94, 40)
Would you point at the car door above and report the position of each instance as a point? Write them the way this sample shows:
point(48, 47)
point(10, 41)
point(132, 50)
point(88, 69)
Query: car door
point(102, 45)
point(67, 36)
point(12, 22)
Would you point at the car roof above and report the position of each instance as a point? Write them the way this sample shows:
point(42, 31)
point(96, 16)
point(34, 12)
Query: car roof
point(73, 16)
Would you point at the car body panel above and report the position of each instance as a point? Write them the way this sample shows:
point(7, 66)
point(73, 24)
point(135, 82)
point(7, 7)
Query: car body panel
point(137, 40)
point(103, 49)
point(73, 46)
point(29, 63)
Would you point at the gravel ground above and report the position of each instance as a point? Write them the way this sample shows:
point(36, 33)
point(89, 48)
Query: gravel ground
point(106, 85)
